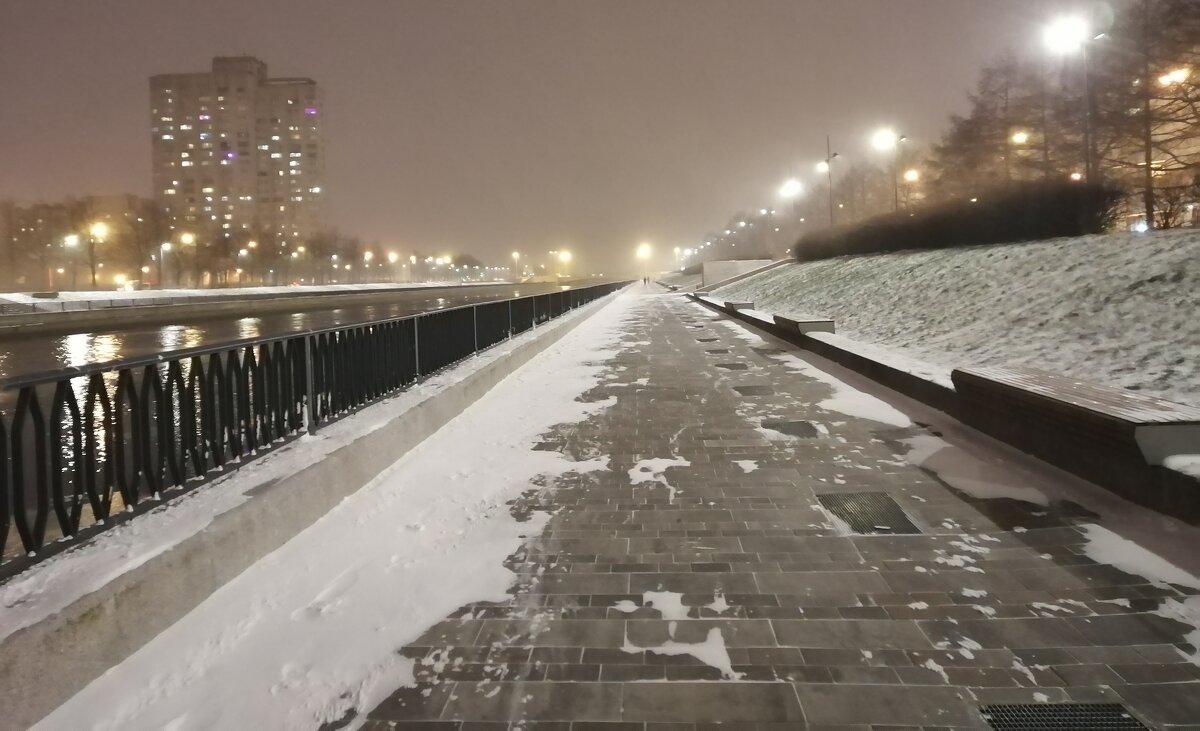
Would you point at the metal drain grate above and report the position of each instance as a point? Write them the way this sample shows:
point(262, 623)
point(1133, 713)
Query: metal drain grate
point(732, 366)
point(754, 390)
point(868, 512)
point(706, 340)
point(802, 429)
point(718, 351)
point(1056, 716)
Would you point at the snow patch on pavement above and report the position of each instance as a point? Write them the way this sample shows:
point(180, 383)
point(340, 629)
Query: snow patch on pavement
point(1105, 547)
point(654, 470)
point(846, 399)
point(747, 465)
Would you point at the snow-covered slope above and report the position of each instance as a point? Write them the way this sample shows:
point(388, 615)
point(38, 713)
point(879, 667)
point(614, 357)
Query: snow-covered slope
point(1121, 309)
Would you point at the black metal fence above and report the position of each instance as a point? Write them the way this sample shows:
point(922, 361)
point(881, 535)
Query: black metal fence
point(85, 448)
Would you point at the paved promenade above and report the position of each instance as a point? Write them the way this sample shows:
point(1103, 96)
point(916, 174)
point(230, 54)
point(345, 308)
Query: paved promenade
point(745, 561)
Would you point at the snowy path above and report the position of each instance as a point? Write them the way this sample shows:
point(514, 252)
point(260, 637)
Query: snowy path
point(311, 631)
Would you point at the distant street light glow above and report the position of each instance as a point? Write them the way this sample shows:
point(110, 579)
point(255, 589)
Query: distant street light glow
point(884, 140)
point(823, 167)
point(790, 189)
point(71, 241)
point(564, 256)
point(1177, 76)
point(99, 230)
point(912, 176)
point(1066, 35)
point(1020, 138)
point(643, 251)
point(187, 239)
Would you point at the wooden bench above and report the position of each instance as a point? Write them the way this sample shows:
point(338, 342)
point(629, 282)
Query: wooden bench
point(1111, 436)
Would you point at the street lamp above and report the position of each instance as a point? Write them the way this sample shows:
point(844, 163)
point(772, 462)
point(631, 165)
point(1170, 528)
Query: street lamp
point(826, 167)
point(97, 233)
point(1020, 137)
point(886, 140)
point(163, 248)
point(1063, 37)
point(912, 175)
point(790, 189)
point(71, 243)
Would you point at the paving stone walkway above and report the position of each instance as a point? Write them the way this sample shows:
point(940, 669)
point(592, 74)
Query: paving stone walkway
point(699, 580)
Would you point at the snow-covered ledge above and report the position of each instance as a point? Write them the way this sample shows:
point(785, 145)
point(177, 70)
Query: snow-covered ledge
point(68, 619)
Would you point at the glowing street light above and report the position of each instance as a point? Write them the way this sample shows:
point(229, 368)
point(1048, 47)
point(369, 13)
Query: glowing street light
point(885, 140)
point(644, 251)
point(1020, 137)
point(564, 256)
point(1066, 35)
point(790, 189)
point(823, 167)
point(187, 239)
point(393, 257)
point(1175, 76)
point(71, 241)
point(99, 230)
point(912, 175)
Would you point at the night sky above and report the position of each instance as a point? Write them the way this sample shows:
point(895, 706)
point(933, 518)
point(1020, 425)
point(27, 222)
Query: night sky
point(487, 126)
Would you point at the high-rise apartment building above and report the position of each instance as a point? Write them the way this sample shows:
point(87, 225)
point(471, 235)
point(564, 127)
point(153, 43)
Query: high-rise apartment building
point(238, 156)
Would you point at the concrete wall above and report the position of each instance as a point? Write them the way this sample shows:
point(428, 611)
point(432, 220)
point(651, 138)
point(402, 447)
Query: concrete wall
point(44, 664)
point(719, 271)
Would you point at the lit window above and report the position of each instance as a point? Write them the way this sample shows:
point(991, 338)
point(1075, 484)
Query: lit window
point(275, 138)
point(293, 163)
point(185, 154)
point(186, 163)
point(169, 191)
point(276, 155)
point(168, 137)
point(264, 147)
point(315, 190)
point(206, 190)
point(166, 119)
point(185, 127)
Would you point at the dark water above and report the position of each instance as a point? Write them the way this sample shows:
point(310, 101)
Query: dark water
point(35, 354)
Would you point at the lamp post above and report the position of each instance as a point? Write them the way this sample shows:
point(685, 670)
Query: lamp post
point(96, 234)
point(886, 140)
point(643, 253)
point(826, 167)
point(564, 258)
point(1063, 37)
point(163, 248)
point(71, 244)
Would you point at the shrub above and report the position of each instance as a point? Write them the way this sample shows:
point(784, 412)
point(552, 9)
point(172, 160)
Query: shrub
point(1021, 212)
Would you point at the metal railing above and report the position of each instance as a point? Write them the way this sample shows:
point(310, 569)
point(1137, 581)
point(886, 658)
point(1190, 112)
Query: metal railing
point(86, 448)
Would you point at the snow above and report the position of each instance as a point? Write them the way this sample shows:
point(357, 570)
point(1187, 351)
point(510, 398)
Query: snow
point(311, 631)
point(747, 465)
point(894, 358)
point(711, 651)
point(654, 470)
point(1115, 309)
point(1104, 546)
point(1188, 464)
point(846, 399)
point(930, 664)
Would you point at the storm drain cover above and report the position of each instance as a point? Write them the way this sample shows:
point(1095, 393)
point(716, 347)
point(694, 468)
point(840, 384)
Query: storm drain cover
point(755, 391)
point(706, 340)
point(1038, 716)
point(868, 512)
point(718, 351)
point(732, 366)
point(802, 429)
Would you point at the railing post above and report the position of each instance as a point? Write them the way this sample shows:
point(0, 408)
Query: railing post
point(416, 347)
point(510, 325)
point(310, 391)
point(475, 325)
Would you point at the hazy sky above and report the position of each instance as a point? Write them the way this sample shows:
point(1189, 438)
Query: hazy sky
point(491, 125)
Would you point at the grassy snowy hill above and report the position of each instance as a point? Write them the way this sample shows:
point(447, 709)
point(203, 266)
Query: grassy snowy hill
point(1119, 309)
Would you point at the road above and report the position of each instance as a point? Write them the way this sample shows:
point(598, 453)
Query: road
point(33, 354)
